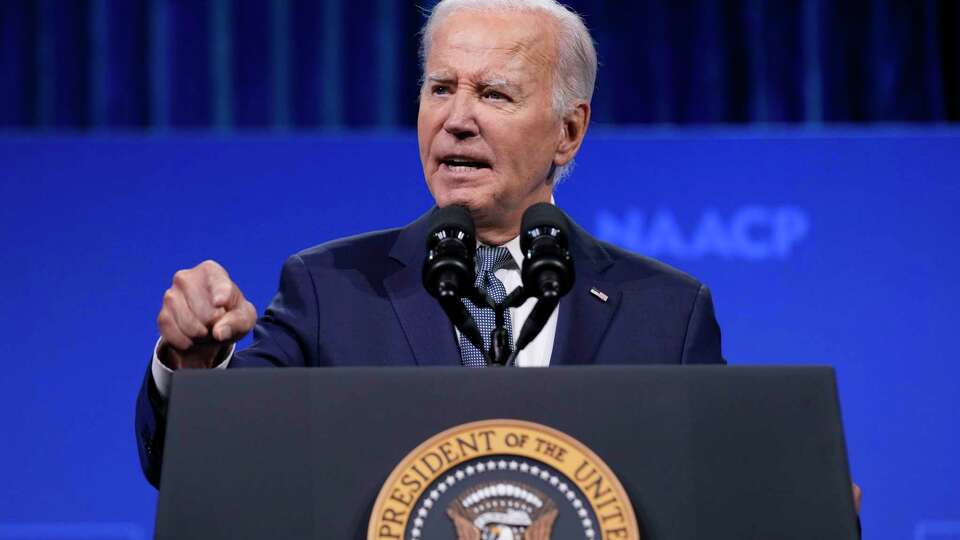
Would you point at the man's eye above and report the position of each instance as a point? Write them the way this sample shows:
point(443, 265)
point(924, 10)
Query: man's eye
point(440, 90)
point(496, 96)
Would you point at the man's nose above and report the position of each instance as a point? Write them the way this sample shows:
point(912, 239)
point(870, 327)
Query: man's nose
point(461, 121)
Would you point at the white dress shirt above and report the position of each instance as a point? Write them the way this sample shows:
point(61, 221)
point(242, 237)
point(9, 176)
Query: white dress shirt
point(536, 354)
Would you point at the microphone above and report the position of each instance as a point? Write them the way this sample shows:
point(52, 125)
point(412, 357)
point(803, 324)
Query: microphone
point(547, 267)
point(448, 271)
point(547, 272)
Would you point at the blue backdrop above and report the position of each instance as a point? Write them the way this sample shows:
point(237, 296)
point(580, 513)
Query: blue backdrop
point(835, 247)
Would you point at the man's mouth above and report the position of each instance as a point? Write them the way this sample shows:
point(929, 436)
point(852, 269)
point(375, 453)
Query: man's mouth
point(463, 164)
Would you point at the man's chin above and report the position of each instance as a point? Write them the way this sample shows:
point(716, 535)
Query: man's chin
point(471, 198)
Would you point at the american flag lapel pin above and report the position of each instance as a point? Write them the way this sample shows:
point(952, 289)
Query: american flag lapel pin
point(602, 296)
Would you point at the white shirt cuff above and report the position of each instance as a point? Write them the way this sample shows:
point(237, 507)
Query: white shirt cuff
point(162, 375)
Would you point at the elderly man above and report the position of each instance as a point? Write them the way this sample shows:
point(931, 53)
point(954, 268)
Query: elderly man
point(504, 107)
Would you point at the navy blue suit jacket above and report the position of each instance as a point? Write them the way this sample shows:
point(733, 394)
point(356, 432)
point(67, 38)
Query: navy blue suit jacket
point(359, 302)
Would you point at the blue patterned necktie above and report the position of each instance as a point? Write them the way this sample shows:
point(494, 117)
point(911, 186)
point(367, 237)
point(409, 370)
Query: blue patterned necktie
point(489, 260)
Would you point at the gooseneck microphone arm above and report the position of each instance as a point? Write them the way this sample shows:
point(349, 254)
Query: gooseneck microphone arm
point(534, 325)
point(462, 319)
point(500, 351)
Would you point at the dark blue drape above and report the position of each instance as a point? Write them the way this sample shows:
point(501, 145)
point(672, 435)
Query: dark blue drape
point(305, 64)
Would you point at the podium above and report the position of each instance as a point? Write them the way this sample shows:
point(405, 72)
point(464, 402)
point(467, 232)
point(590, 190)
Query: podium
point(716, 452)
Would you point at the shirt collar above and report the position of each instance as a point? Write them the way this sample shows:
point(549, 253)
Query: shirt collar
point(513, 246)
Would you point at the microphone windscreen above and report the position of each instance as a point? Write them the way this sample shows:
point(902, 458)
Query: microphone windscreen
point(539, 216)
point(451, 217)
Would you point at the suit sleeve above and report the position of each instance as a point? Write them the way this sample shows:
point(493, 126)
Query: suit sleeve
point(286, 335)
point(150, 425)
point(701, 344)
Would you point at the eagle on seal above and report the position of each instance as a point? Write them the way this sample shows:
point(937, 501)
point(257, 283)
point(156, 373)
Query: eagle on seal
point(502, 511)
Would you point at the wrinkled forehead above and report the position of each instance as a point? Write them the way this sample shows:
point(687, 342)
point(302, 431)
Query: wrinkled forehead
point(517, 43)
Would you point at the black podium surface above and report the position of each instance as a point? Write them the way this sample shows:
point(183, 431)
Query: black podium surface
point(703, 452)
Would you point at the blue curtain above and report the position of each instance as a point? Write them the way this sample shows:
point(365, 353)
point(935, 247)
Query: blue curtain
point(299, 64)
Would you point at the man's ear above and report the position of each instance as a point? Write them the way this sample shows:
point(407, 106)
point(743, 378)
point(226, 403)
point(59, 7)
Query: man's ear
point(573, 129)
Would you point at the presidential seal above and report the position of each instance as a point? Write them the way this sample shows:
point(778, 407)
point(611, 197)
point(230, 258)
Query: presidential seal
point(504, 480)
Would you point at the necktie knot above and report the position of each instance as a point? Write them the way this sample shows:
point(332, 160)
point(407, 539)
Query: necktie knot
point(489, 260)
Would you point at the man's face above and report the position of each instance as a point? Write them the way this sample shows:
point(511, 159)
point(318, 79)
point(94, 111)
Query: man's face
point(488, 131)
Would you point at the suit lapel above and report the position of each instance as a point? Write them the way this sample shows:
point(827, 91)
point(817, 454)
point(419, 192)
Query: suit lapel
point(584, 318)
point(429, 332)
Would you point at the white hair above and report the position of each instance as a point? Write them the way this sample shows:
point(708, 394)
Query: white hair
point(575, 76)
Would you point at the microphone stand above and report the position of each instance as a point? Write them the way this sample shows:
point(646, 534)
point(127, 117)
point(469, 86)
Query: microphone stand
point(501, 352)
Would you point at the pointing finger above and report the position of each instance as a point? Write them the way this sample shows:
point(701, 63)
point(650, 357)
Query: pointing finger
point(191, 283)
point(236, 323)
point(223, 293)
point(194, 284)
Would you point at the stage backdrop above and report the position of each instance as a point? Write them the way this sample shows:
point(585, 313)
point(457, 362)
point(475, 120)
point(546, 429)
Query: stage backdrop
point(832, 248)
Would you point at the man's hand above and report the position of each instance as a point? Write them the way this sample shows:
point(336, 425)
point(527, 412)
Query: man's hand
point(857, 496)
point(203, 313)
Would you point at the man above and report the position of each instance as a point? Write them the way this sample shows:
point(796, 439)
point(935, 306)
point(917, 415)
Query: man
point(504, 107)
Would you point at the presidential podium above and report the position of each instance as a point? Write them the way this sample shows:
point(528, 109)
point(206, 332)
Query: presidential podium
point(714, 452)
